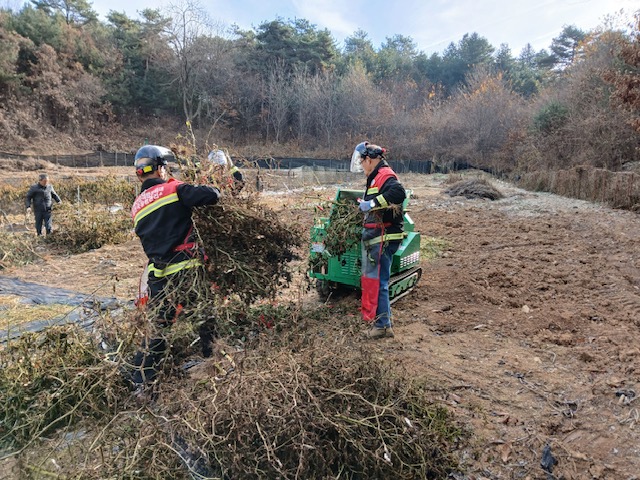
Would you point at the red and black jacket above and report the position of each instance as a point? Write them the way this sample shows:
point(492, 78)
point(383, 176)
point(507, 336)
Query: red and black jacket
point(162, 217)
point(382, 223)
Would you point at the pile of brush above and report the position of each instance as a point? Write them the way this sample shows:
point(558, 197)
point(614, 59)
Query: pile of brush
point(474, 188)
point(83, 227)
point(302, 405)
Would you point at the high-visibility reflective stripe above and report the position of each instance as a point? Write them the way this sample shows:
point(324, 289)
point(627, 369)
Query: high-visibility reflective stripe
point(372, 191)
point(152, 207)
point(174, 267)
point(381, 200)
point(233, 169)
point(385, 238)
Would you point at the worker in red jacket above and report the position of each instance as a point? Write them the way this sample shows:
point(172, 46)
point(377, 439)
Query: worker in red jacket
point(162, 220)
point(382, 234)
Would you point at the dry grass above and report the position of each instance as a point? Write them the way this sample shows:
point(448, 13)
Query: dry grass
point(15, 312)
point(617, 189)
point(17, 249)
point(431, 247)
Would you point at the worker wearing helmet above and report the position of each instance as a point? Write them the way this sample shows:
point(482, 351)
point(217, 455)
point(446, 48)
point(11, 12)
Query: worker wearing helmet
point(162, 220)
point(222, 160)
point(382, 234)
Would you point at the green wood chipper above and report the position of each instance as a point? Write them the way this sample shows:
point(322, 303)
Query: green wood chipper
point(335, 257)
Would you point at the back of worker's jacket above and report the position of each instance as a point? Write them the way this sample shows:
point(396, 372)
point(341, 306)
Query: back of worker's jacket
point(162, 217)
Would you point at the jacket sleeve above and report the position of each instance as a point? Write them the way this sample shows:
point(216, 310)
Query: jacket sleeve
point(29, 198)
point(198, 195)
point(55, 196)
point(392, 192)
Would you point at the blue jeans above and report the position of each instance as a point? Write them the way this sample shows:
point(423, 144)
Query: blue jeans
point(372, 258)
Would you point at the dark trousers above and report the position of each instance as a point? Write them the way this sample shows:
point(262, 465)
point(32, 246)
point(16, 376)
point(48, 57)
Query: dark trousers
point(153, 350)
point(164, 293)
point(43, 217)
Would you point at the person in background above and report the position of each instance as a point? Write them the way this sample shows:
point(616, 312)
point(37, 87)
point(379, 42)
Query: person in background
point(162, 220)
point(382, 234)
point(42, 195)
point(222, 160)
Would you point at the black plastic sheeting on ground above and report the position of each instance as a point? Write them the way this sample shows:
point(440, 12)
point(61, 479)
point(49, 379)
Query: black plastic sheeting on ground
point(88, 307)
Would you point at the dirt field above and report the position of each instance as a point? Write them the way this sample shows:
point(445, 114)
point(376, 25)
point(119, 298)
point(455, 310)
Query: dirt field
point(527, 327)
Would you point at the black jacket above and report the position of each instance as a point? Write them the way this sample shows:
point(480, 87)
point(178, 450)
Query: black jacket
point(168, 223)
point(42, 197)
point(392, 193)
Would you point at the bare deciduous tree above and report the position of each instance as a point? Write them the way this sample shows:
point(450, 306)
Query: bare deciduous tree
point(278, 100)
point(190, 37)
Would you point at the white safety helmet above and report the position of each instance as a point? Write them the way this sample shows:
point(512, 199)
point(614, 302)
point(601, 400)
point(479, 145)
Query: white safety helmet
point(217, 157)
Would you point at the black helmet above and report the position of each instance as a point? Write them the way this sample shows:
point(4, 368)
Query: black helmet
point(150, 157)
point(366, 149)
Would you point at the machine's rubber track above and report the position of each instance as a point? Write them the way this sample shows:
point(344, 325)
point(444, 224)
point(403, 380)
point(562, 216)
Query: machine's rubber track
point(405, 276)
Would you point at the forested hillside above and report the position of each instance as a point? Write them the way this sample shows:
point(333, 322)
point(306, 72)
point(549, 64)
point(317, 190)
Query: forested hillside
point(71, 81)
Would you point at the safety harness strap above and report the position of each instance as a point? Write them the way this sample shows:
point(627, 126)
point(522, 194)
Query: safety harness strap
point(377, 225)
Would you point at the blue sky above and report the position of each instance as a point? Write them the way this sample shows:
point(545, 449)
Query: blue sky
point(432, 24)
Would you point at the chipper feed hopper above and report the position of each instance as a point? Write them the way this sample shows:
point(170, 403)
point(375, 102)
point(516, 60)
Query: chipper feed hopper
point(335, 262)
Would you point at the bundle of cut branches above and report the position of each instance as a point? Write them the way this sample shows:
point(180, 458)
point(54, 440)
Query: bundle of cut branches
point(295, 405)
point(344, 229)
point(54, 379)
point(249, 247)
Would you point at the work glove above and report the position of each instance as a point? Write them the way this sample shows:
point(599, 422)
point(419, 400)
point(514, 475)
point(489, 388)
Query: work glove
point(28, 210)
point(366, 205)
